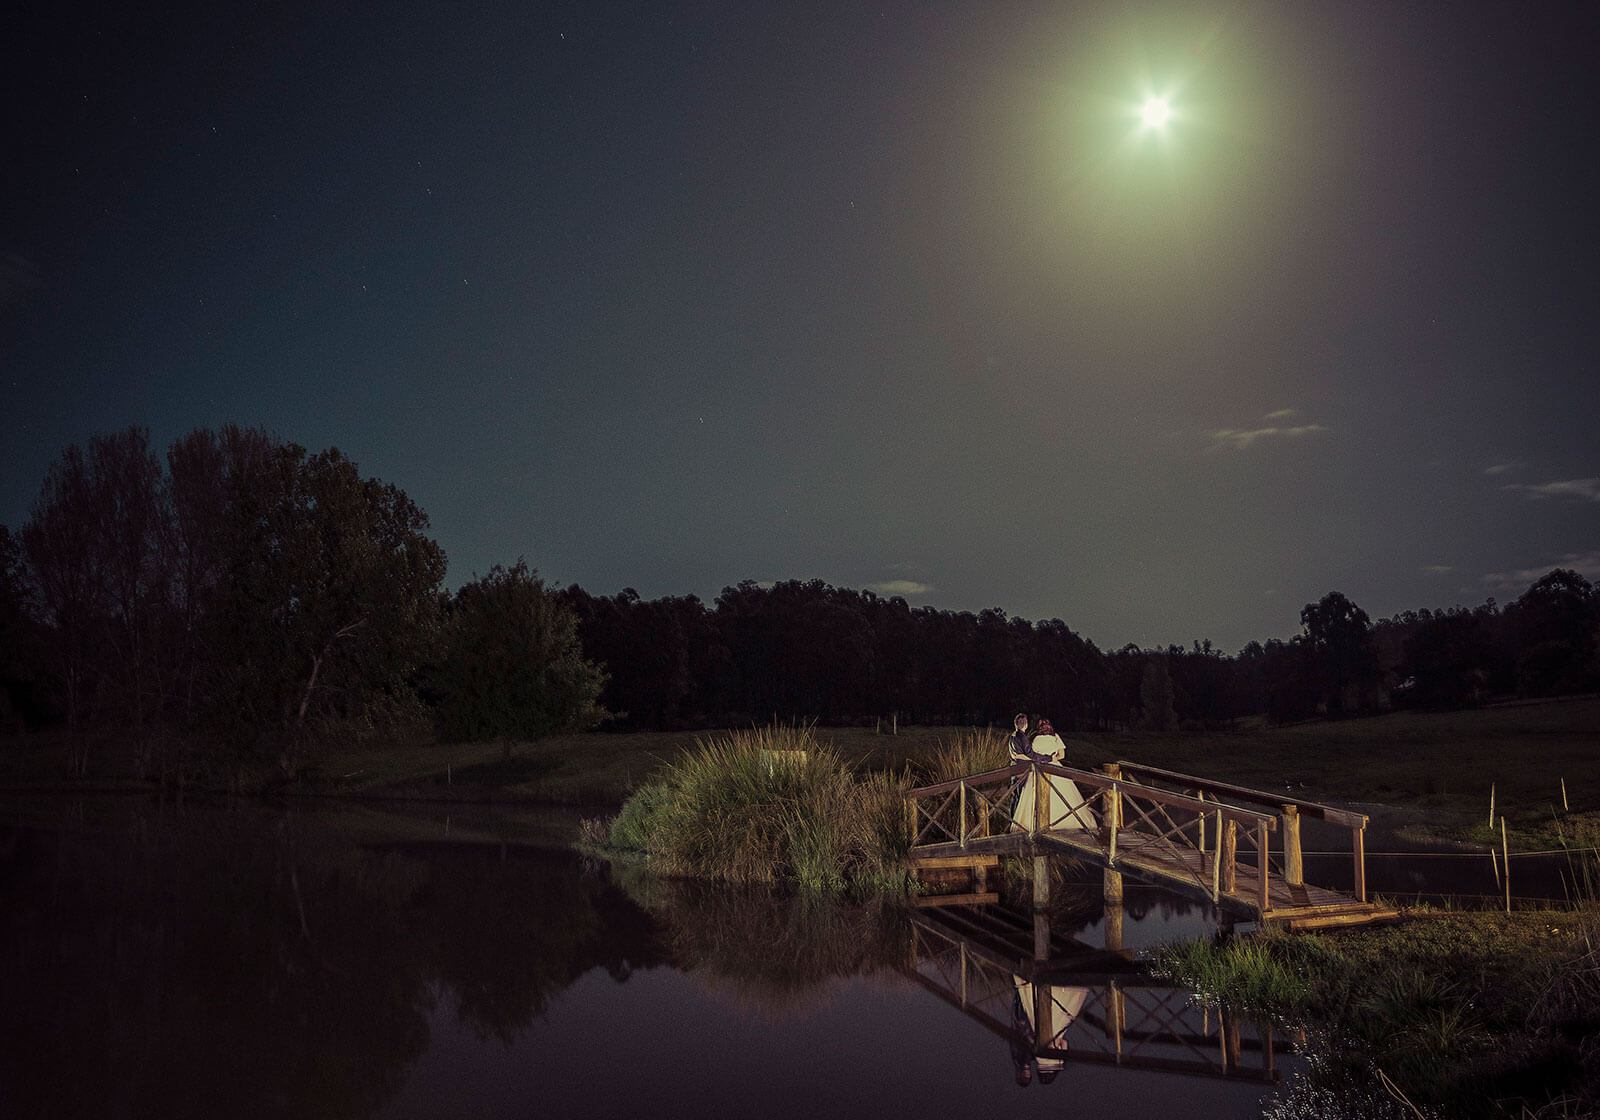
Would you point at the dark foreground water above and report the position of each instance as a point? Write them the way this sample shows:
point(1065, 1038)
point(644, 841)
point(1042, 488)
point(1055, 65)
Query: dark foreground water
point(342, 961)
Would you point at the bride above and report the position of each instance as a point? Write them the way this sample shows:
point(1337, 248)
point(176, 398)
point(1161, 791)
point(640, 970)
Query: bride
point(1066, 808)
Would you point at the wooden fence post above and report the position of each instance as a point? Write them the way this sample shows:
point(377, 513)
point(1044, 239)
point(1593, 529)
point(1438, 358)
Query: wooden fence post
point(1359, 838)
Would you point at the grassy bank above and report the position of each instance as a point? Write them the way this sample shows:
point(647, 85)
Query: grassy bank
point(1438, 767)
point(1489, 1015)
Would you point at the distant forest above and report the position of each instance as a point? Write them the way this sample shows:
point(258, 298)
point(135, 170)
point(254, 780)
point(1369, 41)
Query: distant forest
point(240, 590)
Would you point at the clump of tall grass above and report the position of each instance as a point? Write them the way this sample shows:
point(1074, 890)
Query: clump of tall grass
point(1243, 974)
point(972, 751)
point(768, 805)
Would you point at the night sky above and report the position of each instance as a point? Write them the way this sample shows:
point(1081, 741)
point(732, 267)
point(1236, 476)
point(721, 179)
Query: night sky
point(901, 296)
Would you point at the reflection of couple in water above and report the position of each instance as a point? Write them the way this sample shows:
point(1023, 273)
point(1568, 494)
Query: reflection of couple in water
point(1066, 808)
point(1064, 1005)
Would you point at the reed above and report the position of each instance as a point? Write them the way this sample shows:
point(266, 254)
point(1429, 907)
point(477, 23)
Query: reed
point(1245, 975)
point(770, 804)
point(972, 751)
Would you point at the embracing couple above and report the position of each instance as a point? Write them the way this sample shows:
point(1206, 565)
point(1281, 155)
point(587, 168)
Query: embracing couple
point(1066, 807)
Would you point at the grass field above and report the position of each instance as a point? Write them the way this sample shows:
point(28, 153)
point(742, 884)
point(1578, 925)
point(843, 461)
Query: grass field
point(1438, 765)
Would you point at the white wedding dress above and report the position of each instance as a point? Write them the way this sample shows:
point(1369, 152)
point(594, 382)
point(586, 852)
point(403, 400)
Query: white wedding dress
point(1067, 808)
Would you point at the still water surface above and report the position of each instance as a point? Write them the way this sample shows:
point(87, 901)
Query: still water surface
point(337, 960)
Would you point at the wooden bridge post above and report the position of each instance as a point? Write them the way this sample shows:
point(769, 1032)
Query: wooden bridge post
point(1044, 1028)
point(1041, 823)
point(911, 819)
point(1116, 1014)
point(1263, 854)
point(1294, 871)
point(1041, 801)
point(961, 820)
point(1228, 853)
point(1216, 854)
point(1112, 888)
point(1111, 819)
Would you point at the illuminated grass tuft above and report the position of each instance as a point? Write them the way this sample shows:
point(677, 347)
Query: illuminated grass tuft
point(768, 805)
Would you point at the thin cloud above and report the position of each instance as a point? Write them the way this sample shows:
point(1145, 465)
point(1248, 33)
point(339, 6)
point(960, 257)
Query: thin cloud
point(1575, 489)
point(1437, 569)
point(1586, 564)
point(901, 587)
point(1502, 468)
point(1240, 438)
point(1282, 414)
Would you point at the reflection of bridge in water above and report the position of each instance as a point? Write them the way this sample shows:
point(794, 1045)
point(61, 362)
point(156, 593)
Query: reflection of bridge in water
point(1203, 838)
point(1055, 1000)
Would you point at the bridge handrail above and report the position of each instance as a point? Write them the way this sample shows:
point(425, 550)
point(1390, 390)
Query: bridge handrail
point(1122, 786)
point(969, 779)
point(1307, 808)
point(1163, 796)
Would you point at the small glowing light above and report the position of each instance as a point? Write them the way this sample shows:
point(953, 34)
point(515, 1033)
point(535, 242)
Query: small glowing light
point(1155, 112)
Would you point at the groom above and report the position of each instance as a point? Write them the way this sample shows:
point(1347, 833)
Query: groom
point(1019, 746)
point(1021, 751)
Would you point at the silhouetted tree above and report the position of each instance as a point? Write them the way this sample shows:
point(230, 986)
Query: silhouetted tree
point(1448, 661)
point(21, 640)
point(1157, 712)
point(1339, 633)
point(60, 541)
point(1554, 626)
point(1291, 675)
point(513, 667)
point(330, 595)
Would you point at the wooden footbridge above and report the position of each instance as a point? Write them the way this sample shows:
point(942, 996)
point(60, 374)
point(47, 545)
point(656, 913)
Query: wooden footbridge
point(1236, 847)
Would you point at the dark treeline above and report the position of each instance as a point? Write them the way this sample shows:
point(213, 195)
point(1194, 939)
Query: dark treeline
point(243, 591)
point(805, 650)
point(241, 598)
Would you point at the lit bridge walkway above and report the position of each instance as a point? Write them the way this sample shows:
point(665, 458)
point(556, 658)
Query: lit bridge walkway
point(1203, 838)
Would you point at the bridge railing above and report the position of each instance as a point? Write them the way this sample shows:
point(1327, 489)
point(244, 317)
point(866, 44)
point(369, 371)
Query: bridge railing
point(1289, 812)
point(974, 811)
point(964, 809)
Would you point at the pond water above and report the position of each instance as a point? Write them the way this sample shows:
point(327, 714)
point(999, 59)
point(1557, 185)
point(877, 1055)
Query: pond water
point(345, 960)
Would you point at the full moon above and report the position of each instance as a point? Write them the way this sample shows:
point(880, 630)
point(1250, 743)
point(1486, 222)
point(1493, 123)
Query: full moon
point(1156, 112)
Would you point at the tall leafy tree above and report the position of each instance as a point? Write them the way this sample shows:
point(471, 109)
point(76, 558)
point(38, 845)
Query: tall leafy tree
point(1556, 625)
point(1339, 633)
point(1448, 660)
point(59, 542)
point(330, 594)
point(19, 638)
point(513, 667)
